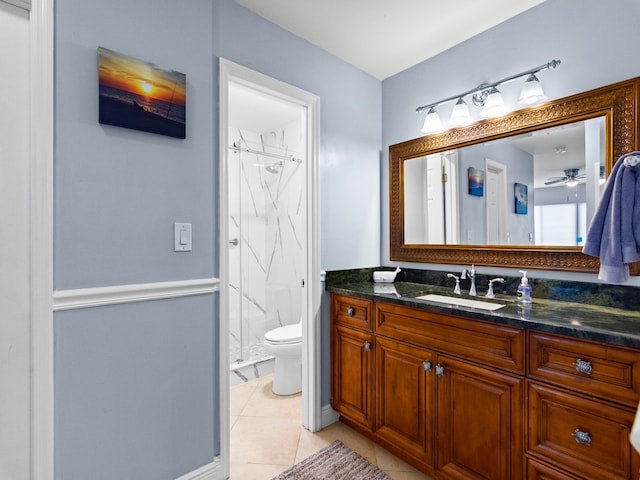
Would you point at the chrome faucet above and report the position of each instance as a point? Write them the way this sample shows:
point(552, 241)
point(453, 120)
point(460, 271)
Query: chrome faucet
point(490, 293)
point(472, 276)
point(456, 290)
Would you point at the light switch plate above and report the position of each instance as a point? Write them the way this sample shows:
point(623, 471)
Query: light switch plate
point(182, 237)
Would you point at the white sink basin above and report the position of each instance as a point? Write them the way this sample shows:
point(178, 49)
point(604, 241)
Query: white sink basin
point(461, 302)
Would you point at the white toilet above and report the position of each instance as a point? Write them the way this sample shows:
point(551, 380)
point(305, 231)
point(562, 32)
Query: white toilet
point(285, 344)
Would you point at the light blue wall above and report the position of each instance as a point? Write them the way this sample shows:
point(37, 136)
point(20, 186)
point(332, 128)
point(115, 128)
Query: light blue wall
point(119, 191)
point(472, 208)
point(134, 390)
point(596, 42)
point(136, 384)
point(350, 119)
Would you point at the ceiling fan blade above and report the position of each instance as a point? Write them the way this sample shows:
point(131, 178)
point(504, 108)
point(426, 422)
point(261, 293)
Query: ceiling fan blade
point(552, 180)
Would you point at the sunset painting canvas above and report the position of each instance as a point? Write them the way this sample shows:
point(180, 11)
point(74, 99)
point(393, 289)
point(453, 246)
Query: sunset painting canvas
point(139, 95)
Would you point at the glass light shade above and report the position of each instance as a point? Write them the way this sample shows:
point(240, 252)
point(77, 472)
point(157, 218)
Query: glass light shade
point(572, 183)
point(531, 91)
point(493, 105)
point(460, 114)
point(432, 122)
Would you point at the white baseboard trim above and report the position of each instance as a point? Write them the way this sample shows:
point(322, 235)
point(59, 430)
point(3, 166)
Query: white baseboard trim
point(101, 296)
point(211, 471)
point(328, 416)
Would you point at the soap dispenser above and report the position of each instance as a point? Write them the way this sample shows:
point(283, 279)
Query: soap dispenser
point(524, 289)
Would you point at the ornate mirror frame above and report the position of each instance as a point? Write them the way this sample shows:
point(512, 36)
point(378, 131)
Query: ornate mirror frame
point(617, 103)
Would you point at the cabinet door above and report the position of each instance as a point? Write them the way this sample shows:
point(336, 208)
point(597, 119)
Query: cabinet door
point(404, 399)
point(352, 375)
point(479, 418)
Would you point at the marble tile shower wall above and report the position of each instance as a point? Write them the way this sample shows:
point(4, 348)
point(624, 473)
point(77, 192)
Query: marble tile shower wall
point(267, 216)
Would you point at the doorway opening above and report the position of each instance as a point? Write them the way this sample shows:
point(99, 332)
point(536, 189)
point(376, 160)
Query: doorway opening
point(269, 240)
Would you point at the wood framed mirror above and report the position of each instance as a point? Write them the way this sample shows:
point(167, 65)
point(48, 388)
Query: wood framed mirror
point(612, 110)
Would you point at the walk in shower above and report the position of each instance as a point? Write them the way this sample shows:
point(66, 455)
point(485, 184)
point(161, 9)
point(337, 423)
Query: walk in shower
point(267, 224)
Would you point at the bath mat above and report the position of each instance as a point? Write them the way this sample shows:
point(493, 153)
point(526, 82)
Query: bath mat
point(334, 462)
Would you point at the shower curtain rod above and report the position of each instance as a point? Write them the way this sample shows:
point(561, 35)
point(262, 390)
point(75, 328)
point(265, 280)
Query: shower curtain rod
point(290, 158)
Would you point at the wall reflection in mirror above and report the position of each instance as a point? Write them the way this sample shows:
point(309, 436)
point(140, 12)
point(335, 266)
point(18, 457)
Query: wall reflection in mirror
point(559, 172)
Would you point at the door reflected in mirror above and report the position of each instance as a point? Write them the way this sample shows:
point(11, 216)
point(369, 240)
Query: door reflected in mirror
point(539, 188)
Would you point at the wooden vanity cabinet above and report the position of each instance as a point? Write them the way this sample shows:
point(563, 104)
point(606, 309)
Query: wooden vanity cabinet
point(466, 399)
point(473, 407)
point(443, 400)
point(352, 361)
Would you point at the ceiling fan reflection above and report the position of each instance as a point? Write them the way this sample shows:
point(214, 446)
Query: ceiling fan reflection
point(571, 178)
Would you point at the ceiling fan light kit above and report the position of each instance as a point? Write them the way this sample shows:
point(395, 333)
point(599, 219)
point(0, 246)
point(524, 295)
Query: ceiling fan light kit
point(571, 178)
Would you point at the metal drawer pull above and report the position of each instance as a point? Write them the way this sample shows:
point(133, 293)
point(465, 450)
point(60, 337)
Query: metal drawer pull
point(583, 366)
point(367, 346)
point(427, 365)
point(439, 370)
point(350, 311)
point(583, 438)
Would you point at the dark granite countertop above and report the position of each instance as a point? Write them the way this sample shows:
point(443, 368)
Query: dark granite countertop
point(587, 321)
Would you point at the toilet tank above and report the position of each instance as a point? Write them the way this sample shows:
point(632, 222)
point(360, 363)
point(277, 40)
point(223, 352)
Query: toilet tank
point(284, 304)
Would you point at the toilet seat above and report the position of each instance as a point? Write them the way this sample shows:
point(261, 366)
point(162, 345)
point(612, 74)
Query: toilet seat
point(289, 334)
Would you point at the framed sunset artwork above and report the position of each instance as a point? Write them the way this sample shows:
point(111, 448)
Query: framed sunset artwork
point(141, 96)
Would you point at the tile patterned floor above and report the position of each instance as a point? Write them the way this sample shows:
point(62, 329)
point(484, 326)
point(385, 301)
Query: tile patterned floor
point(267, 437)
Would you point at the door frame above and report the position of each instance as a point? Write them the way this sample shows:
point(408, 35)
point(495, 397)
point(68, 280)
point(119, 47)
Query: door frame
point(230, 72)
point(499, 218)
point(41, 121)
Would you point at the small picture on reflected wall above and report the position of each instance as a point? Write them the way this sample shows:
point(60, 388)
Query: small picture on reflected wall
point(476, 182)
point(139, 95)
point(520, 197)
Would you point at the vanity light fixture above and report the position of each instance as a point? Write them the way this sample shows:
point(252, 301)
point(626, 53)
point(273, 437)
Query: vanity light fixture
point(488, 97)
point(432, 123)
point(460, 114)
point(493, 105)
point(531, 91)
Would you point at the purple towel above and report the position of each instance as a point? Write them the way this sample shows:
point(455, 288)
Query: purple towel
point(614, 234)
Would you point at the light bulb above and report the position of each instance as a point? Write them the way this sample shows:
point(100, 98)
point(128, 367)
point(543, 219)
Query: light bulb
point(531, 91)
point(493, 105)
point(432, 122)
point(460, 114)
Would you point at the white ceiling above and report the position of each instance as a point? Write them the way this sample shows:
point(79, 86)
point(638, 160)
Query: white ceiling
point(384, 37)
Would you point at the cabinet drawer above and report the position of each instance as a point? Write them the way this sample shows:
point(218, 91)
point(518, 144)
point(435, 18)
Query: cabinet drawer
point(492, 344)
point(608, 371)
point(352, 311)
point(540, 471)
point(579, 434)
